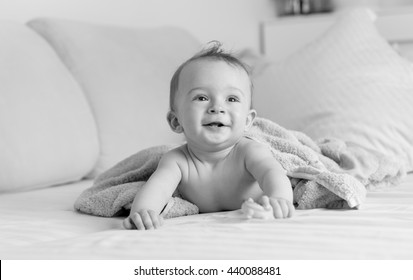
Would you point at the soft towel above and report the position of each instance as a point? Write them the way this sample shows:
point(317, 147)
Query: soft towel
point(114, 190)
point(328, 173)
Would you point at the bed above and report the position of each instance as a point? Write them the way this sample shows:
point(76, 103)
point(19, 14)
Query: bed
point(48, 228)
point(41, 223)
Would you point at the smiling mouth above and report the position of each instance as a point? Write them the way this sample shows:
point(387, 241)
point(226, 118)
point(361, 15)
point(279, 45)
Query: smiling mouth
point(214, 124)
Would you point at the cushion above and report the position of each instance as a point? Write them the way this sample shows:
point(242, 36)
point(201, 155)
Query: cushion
point(405, 49)
point(125, 73)
point(348, 84)
point(47, 132)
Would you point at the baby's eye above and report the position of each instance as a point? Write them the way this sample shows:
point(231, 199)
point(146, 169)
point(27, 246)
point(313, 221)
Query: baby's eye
point(201, 98)
point(233, 99)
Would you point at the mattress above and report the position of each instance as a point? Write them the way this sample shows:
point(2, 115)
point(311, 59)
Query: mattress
point(42, 224)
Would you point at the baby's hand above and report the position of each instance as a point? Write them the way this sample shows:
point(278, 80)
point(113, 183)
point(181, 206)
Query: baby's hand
point(251, 209)
point(143, 219)
point(282, 208)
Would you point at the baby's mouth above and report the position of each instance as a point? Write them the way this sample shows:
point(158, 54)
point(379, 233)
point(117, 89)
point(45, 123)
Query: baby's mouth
point(214, 124)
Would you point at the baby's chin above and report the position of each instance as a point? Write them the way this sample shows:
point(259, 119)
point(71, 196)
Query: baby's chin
point(214, 145)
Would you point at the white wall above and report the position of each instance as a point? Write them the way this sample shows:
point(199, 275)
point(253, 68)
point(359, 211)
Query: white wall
point(378, 4)
point(234, 22)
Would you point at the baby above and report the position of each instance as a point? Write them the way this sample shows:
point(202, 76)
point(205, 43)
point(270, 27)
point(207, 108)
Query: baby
point(218, 168)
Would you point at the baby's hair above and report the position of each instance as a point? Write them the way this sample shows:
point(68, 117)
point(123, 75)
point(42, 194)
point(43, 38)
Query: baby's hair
point(213, 51)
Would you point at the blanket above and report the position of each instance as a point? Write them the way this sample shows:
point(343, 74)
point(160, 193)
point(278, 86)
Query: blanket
point(327, 173)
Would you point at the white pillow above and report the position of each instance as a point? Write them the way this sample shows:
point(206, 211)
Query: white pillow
point(47, 131)
point(125, 73)
point(349, 84)
point(405, 49)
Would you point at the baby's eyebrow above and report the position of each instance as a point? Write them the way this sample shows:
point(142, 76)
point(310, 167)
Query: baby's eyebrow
point(197, 88)
point(229, 88)
point(235, 89)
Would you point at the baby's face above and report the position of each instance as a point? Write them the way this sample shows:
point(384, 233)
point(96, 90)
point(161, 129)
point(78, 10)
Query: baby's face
point(213, 104)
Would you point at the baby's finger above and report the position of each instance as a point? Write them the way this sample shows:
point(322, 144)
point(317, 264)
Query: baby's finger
point(155, 219)
point(291, 209)
point(146, 219)
point(127, 224)
point(284, 207)
point(137, 220)
point(265, 201)
point(277, 210)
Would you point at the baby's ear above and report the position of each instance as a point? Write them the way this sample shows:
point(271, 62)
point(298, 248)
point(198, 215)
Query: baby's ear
point(173, 122)
point(250, 119)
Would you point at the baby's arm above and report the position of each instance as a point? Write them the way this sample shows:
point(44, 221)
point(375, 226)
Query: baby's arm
point(272, 179)
point(154, 195)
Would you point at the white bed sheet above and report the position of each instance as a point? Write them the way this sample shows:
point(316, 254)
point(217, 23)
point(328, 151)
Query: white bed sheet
point(42, 224)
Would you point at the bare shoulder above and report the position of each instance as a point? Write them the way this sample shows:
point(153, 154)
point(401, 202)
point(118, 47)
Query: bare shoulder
point(175, 156)
point(254, 149)
point(258, 156)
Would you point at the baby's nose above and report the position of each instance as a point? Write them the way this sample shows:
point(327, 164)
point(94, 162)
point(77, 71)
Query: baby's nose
point(216, 110)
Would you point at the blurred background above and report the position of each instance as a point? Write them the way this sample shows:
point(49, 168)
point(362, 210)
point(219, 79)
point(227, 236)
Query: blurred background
point(235, 22)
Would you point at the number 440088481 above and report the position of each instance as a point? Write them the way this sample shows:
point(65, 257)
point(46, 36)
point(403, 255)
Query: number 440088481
point(241, 270)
